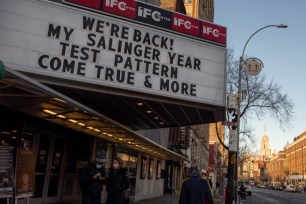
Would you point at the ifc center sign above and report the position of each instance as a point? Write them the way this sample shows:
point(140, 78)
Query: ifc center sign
point(61, 41)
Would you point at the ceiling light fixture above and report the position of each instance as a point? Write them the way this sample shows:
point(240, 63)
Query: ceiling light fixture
point(97, 130)
point(72, 121)
point(49, 112)
point(7, 133)
point(61, 116)
point(60, 100)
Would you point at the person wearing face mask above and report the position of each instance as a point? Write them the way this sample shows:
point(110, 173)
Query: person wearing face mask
point(117, 183)
point(92, 177)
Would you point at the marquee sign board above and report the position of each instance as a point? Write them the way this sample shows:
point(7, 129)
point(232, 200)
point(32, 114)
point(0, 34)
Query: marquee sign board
point(152, 15)
point(75, 44)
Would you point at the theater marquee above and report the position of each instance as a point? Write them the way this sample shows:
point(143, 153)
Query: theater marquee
point(62, 41)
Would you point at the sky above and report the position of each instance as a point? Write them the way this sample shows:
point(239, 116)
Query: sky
point(283, 52)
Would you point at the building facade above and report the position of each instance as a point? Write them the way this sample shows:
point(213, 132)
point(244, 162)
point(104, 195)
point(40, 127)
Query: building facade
point(248, 168)
point(213, 169)
point(201, 9)
point(173, 5)
point(276, 167)
point(296, 159)
point(219, 157)
point(82, 79)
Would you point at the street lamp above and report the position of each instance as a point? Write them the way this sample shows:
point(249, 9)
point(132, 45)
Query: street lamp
point(241, 63)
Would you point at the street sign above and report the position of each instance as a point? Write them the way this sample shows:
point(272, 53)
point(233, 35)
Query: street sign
point(233, 135)
point(233, 145)
point(253, 67)
point(226, 123)
point(233, 140)
point(232, 101)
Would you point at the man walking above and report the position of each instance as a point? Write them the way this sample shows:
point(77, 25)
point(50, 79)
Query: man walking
point(92, 177)
point(195, 190)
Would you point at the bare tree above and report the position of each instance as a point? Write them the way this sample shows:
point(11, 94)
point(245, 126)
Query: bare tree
point(263, 97)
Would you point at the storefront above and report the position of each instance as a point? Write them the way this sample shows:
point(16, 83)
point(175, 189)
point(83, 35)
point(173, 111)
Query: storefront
point(60, 154)
point(80, 79)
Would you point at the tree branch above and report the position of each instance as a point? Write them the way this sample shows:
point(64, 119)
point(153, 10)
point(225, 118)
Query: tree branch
point(221, 142)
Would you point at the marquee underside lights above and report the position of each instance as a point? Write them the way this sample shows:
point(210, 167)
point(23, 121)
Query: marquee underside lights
point(125, 140)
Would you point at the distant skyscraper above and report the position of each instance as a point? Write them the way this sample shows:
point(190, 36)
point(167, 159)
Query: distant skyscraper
point(265, 146)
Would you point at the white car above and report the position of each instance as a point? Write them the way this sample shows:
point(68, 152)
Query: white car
point(248, 190)
point(290, 188)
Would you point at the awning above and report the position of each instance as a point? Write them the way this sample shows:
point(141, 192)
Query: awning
point(22, 93)
point(137, 111)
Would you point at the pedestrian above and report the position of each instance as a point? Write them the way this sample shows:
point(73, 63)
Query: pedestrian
point(217, 185)
point(195, 190)
point(241, 192)
point(92, 177)
point(117, 183)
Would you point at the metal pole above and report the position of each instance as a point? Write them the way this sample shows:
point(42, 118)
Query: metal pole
point(303, 169)
point(241, 63)
point(238, 122)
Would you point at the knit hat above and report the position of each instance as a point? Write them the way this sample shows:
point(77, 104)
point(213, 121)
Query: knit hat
point(194, 171)
point(100, 158)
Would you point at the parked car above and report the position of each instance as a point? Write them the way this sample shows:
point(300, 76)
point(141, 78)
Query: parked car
point(290, 188)
point(279, 188)
point(271, 187)
point(248, 190)
point(260, 186)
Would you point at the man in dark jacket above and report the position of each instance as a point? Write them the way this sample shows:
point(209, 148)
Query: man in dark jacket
point(92, 177)
point(195, 190)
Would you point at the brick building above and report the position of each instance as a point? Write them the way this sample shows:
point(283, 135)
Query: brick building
point(296, 157)
point(276, 167)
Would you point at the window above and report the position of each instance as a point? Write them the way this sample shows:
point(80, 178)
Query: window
point(78, 157)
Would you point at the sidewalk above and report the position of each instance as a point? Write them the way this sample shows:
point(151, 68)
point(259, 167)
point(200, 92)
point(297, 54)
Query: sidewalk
point(172, 199)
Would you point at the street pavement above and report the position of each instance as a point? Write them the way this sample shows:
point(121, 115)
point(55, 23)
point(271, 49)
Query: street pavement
point(267, 196)
point(172, 199)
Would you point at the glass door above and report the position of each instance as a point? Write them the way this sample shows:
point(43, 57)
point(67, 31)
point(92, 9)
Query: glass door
point(41, 166)
point(48, 169)
point(54, 171)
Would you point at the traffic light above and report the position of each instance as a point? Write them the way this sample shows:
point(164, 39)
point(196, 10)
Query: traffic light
point(234, 119)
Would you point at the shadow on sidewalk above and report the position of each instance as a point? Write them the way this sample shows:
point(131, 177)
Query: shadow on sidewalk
point(166, 199)
point(173, 199)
